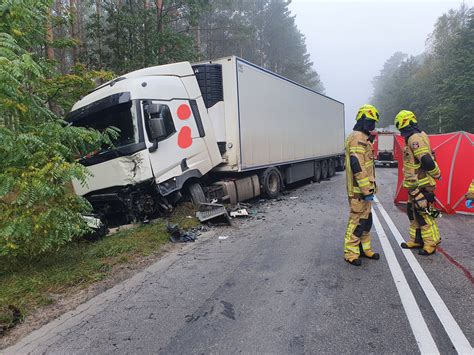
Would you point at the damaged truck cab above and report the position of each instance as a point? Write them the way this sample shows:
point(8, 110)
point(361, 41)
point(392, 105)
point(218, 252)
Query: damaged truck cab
point(166, 140)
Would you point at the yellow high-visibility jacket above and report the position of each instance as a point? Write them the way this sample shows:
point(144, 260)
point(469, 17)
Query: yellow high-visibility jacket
point(470, 192)
point(359, 146)
point(415, 175)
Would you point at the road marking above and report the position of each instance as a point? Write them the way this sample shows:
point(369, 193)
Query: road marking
point(420, 330)
point(459, 340)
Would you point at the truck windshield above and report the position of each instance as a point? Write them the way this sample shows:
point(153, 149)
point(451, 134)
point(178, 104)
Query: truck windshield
point(122, 116)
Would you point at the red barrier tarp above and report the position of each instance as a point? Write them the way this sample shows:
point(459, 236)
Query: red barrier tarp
point(455, 157)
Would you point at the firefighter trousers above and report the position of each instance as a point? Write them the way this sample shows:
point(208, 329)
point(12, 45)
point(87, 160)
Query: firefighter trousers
point(358, 238)
point(424, 231)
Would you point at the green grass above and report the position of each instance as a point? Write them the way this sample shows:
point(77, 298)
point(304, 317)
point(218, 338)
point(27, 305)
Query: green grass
point(29, 285)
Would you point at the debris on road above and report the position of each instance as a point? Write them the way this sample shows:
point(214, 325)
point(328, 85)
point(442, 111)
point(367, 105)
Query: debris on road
point(208, 211)
point(293, 197)
point(239, 213)
point(179, 236)
point(223, 237)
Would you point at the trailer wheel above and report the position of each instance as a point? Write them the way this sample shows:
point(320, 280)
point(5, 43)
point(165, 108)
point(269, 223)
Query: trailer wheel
point(196, 193)
point(270, 180)
point(324, 170)
point(332, 167)
point(340, 164)
point(317, 171)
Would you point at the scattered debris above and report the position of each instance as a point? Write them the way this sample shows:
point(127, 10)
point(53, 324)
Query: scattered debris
point(98, 229)
point(179, 236)
point(293, 197)
point(208, 211)
point(223, 237)
point(239, 213)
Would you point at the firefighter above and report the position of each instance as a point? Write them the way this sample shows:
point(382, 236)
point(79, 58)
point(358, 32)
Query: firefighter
point(361, 188)
point(470, 196)
point(420, 174)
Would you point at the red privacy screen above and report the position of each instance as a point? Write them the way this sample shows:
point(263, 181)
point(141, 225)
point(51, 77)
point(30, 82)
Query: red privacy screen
point(455, 156)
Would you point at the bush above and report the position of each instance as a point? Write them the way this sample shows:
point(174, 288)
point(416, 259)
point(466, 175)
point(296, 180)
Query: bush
point(39, 211)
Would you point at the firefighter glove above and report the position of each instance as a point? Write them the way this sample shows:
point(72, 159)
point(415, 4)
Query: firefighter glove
point(368, 197)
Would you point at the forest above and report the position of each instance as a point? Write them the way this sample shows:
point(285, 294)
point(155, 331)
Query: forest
point(437, 85)
point(52, 52)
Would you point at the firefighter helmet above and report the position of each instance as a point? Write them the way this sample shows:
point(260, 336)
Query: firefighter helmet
point(369, 112)
point(404, 118)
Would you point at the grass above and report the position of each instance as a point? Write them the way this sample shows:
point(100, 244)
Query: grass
point(29, 285)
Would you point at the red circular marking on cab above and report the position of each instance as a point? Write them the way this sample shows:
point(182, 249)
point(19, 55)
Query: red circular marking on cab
point(184, 112)
point(184, 137)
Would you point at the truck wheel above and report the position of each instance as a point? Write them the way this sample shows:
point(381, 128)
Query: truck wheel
point(324, 170)
point(332, 167)
point(270, 181)
point(317, 171)
point(196, 193)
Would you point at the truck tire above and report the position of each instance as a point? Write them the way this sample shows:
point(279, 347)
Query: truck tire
point(270, 181)
point(317, 171)
point(196, 193)
point(332, 168)
point(324, 170)
point(340, 164)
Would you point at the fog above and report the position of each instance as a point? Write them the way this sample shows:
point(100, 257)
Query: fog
point(349, 41)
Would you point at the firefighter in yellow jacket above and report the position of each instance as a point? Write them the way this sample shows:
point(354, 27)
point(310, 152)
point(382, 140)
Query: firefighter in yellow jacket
point(360, 174)
point(470, 196)
point(420, 174)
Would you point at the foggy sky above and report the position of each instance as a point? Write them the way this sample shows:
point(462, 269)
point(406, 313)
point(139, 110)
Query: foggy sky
point(349, 41)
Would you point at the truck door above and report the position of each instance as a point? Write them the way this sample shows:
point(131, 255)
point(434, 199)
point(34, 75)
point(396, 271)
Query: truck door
point(181, 148)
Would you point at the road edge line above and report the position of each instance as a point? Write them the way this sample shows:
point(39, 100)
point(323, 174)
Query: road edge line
point(420, 330)
point(452, 328)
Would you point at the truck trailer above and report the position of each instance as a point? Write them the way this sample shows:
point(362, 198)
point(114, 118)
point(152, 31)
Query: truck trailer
point(224, 129)
point(384, 148)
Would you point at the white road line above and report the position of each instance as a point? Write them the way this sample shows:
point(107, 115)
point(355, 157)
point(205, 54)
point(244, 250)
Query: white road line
point(459, 340)
point(418, 325)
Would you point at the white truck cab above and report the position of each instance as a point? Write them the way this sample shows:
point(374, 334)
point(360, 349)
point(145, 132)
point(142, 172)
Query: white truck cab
point(166, 138)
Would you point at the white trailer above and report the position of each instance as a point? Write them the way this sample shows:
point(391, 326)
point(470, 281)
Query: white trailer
point(385, 149)
point(226, 128)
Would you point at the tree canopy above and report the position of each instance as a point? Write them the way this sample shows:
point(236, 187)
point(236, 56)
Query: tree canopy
point(436, 85)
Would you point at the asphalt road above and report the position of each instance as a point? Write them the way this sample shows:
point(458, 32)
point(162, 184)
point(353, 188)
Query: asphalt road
point(279, 284)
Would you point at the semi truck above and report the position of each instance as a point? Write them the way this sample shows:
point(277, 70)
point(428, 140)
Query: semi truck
point(224, 129)
point(384, 148)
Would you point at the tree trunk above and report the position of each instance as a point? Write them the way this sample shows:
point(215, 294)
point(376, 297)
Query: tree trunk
point(99, 30)
point(145, 33)
point(197, 40)
point(159, 11)
point(49, 36)
point(74, 12)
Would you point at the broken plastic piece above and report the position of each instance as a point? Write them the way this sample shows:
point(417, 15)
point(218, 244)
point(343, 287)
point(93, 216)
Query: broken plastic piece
point(239, 213)
point(223, 237)
point(208, 211)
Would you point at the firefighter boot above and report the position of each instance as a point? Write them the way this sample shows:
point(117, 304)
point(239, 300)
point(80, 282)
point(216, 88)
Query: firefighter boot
point(427, 251)
point(365, 247)
point(430, 234)
point(415, 242)
point(355, 262)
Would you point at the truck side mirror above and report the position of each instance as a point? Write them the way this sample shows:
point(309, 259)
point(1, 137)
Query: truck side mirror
point(155, 124)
